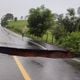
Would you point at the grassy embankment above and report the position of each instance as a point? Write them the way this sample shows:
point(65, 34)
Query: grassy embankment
point(19, 26)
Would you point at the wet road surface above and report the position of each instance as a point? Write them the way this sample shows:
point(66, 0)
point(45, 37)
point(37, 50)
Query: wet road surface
point(25, 68)
point(49, 69)
point(36, 69)
point(9, 39)
point(9, 69)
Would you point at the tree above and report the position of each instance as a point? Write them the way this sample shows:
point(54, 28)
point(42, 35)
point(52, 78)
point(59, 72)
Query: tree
point(71, 12)
point(5, 18)
point(59, 32)
point(65, 24)
point(9, 16)
point(68, 21)
point(39, 21)
point(4, 21)
point(69, 25)
point(15, 19)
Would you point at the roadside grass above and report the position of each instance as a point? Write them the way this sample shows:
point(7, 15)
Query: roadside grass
point(49, 40)
point(44, 38)
point(18, 26)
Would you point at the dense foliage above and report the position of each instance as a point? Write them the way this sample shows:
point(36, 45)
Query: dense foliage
point(39, 21)
point(9, 16)
point(72, 42)
point(5, 18)
point(67, 30)
point(4, 22)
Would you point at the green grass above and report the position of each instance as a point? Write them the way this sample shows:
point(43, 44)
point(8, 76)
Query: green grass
point(18, 26)
point(49, 40)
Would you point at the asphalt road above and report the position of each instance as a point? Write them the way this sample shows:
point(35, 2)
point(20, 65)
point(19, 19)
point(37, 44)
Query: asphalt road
point(49, 69)
point(9, 69)
point(25, 68)
point(22, 68)
point(10, 39)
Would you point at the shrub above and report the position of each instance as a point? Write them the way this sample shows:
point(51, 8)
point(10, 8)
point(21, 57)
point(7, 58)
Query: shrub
point(72, 42)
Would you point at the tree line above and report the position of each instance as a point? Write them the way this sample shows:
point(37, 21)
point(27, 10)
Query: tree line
point(64, 27)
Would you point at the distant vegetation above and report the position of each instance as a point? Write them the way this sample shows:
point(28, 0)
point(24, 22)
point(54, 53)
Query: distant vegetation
point(17, 26)
point(43, 25)
point(6, 18)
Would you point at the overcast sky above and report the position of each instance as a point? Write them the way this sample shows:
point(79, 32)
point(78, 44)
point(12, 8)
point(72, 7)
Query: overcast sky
point(21, 7)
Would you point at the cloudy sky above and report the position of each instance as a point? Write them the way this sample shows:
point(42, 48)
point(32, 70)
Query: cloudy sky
point(21, 7)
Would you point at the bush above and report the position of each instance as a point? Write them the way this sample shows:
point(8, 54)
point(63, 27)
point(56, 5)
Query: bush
point(72, 42)
point(4, 23)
